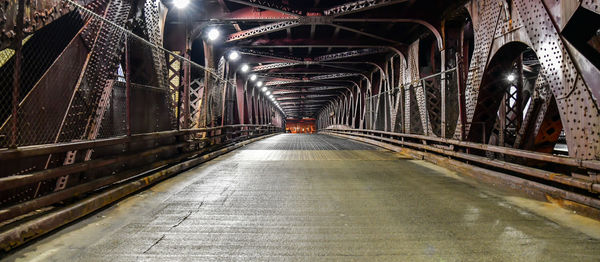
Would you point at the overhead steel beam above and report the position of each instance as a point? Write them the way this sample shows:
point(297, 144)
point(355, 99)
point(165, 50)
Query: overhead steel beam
point(250, 14)
point(274, 65)
point(307, 87)
point(270, 5)
point(261, 30)
point(283, 82)
point(309, 95)
point(424, 23)
point(284, 65)
point(367, 34)
point(359, 6)
point(290, 105)
point(326, 64)
point(303, 91)
point(260, 53)
point(333, 76)
point(303, 100)
point(303, 108)
point(324, 88)
point(311, 79)
point(316, 45)
point(348, 54)
point(303, 73)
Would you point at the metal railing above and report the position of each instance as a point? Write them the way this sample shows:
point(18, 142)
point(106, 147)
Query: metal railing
point(534, 166)
point(125, 157)
point(431, 110)
point(93, 99)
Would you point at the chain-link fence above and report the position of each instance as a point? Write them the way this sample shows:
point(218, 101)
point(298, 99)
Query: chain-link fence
point(100, 73)
point(84, 77)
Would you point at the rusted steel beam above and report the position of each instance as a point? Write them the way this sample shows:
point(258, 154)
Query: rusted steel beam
point(38, 14)
point(18, 45)
point(349, 54)
point(25, 207)
point(374, 36)
point(250, 14)
point(261, 30)
point(359, 6)
point(270, 5)
point(37, 150)
point(16, 181)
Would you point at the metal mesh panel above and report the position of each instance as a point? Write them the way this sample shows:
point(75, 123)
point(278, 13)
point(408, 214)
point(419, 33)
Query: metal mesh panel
point(72, 83)
point(85, 77)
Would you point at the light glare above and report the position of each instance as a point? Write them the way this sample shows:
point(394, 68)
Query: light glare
point(181, 3)
point(259, 83)
point(253, 77)
point(264, 89)
point(213, 34)
point(245, 68)
point(234, 55)
point(511, 77)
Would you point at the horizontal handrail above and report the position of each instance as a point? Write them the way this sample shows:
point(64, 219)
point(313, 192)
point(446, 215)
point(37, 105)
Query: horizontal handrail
point(11, 182)
point(44, 149)
point(590, 186)
point(563, 160)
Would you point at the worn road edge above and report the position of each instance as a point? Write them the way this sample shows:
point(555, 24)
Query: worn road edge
point(37, 227)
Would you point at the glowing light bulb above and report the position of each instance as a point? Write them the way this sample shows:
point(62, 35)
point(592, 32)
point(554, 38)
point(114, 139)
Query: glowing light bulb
point(181, 3)
point(213, 34)
point(253, 77)
point(511, 77)
point(259, 84)
point(245, 68)
point(234, 55)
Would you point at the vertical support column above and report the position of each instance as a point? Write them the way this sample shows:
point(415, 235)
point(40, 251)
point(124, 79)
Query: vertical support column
point(240, 98)
point(226, 106)
point(443, 94)
point(426, 127)
point(460, 79)
point(502, 116)
point(18, 45)
point(128, 90)
point(209, 63)
point(186, 77)
point(518, 105)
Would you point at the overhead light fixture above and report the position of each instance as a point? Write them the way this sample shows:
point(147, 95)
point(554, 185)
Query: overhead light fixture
point(511, 77)
point(213, 33)
point(259, 84)
point(233, 56)
point(268, 93)
point(271, 96)
point(181, 3)
point(245, 68)
point(253, 77)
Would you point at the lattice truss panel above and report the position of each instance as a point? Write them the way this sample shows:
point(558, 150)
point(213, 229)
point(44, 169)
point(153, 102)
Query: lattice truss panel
point(487, 18)
point(175, 82)
point(495, 25)
point(196, 92)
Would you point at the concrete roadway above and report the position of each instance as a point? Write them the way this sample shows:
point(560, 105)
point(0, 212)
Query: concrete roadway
point(319, 198)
